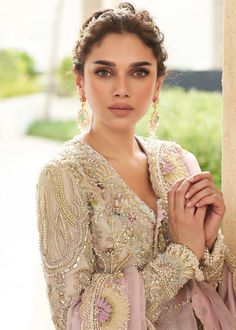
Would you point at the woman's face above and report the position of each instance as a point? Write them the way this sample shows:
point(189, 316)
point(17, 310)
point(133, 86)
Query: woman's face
point(119, 81)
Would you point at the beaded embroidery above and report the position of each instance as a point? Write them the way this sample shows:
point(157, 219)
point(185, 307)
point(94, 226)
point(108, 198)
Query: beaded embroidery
point(92, 226)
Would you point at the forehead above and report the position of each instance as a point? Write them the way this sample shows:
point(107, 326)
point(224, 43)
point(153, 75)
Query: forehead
point(121, 48)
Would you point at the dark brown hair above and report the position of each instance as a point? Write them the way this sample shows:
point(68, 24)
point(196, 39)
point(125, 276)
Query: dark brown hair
point(121, 20)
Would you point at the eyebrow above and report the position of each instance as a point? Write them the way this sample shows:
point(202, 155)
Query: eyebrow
point(133, 65)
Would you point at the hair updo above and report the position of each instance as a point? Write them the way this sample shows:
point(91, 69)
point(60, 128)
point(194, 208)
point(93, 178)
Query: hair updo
point(124, 19)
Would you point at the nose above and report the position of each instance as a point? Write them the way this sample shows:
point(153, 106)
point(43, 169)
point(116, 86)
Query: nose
point(121, 88)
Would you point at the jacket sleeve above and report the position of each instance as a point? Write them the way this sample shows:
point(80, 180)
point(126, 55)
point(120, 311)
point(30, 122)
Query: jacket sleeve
point(166, 275)
point(65, 242)
point(212, 263)
point(79, 296)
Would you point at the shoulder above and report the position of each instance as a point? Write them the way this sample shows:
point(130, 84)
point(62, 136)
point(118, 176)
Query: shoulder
point(190, 161)
point(164, 147)
point(69, 156)
point(64, 166)
point(171, 155)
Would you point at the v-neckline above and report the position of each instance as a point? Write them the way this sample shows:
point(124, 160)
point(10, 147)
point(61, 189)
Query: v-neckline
point(153, 214)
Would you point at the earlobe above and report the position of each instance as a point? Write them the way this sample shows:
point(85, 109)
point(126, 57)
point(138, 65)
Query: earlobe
point(79, 85)
point(79, 81)
point(159, 83)
point(158, 88)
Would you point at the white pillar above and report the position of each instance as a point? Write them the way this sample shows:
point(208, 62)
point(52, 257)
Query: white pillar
point(88, 7)
point(217, 56)
point(229, 124)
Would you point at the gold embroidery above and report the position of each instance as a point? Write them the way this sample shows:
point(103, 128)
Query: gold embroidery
point(167, 274)
point(105, 303)
point(92, 226)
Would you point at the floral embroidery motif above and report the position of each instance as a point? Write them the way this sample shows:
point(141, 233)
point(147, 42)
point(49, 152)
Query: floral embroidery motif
point(170, 168)
point(114, 311)
point(106, 302)
point(92, 226)
point(104, 310)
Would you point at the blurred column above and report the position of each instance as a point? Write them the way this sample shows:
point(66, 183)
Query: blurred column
point(217, 56)
point(55, 35)
point(90, 6)
point(229, 123)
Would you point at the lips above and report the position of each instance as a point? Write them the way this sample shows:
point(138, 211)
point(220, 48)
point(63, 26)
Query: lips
point(121, 106)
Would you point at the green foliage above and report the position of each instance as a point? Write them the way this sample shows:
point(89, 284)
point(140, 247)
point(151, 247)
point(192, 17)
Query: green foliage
point(192, 119)
point(17, 73)
point(65, 79)
point(60, 130)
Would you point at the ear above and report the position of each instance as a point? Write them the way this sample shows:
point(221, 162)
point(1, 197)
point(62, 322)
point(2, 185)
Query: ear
point(159, 83)
point(79, 82)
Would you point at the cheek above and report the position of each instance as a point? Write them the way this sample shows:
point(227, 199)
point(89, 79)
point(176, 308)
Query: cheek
point(94, 89)
point(145, 92)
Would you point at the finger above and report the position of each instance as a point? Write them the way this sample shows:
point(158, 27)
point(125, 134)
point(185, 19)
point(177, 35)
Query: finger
point(212, 199)
point(171, 196)
point(200, 215)
point(199, 196)
point(198, 186)
point(180, 195)
point(189, 212)
point(200, 176)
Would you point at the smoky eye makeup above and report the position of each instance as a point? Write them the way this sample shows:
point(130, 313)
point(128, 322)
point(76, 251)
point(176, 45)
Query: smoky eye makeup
point(103, 72)
point(107, 72)
point(144, 72)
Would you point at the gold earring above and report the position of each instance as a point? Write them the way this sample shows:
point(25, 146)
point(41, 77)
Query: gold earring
point(154, 120)
point(83, 117)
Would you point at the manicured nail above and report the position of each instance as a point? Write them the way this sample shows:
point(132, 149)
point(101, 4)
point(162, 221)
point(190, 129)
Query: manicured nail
point(190, 179)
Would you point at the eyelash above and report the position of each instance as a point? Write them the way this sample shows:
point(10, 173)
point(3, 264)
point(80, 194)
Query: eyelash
point(106, 76)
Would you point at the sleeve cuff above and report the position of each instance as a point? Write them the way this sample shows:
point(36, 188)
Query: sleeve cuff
point(190, 261)
point(168, 273)
point(217, 253)
point(212, 262)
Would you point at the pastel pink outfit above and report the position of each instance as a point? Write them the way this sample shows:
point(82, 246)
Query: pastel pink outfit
point(107, 258)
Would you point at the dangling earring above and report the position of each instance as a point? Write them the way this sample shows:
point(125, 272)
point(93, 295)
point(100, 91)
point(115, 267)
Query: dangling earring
point(154, 120)
point(83, 117)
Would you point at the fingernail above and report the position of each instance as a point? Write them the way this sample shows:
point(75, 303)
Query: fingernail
point(189, 204)
point(197, 204)
point(187, 195)
point(190, 179)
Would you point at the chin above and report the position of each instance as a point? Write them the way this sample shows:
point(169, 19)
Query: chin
point(121, 126)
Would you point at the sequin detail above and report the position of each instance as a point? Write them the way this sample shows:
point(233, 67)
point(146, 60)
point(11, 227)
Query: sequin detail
point(92, 226)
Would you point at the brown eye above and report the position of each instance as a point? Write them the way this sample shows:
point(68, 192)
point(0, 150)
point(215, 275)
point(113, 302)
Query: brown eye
point(103, 73)
point(141, 73)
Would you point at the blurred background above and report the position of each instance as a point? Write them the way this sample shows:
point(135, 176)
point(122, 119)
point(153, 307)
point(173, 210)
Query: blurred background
point(38, 109)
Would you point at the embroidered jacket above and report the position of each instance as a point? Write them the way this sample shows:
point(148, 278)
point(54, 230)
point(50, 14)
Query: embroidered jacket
point(93, 227)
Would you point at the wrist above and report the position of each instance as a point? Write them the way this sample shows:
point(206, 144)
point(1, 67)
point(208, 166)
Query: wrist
point(191, 261)
point(198, 252)
point(210, 244)
point(213, 254)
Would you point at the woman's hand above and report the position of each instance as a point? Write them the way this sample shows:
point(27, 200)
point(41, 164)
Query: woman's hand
point(186, 224)
point(203, 192)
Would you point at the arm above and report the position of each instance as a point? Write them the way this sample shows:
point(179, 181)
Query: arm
point(65, 242)
point(166, 275)
point(213, 261)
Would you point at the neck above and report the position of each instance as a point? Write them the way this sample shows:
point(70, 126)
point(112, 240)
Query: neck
point(113, 145)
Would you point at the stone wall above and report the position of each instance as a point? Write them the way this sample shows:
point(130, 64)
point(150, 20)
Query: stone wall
point(229, 123)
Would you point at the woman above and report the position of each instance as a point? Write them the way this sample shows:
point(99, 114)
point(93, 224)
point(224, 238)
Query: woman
point(129, 227)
